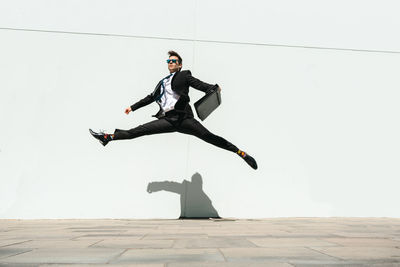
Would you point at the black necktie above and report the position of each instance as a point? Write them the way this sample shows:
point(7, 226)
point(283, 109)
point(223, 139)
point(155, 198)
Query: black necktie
point(163, 87)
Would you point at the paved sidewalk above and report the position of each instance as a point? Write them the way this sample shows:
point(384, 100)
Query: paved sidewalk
point(278, 242)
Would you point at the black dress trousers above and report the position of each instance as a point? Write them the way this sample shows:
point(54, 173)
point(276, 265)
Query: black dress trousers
point(175, 122)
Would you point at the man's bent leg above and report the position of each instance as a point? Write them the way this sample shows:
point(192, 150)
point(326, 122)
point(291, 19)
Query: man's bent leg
point(193, 127)
point(153, 127)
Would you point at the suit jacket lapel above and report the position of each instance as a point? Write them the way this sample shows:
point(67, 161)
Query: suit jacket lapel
point(173, 78)
point(157, 90)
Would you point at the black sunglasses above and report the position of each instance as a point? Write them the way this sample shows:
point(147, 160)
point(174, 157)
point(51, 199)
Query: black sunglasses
point(172, 60)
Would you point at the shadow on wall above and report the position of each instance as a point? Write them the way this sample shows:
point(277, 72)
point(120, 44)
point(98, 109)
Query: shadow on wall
point(195, 204)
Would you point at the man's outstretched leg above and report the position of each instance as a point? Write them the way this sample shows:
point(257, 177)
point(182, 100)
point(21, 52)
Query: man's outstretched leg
point(153, 127)
point(193, 127)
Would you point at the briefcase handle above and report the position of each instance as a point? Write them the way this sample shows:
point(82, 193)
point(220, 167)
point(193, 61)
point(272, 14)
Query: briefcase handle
point(212, 89)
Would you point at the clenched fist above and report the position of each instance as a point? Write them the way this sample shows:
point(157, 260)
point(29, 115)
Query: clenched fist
point(127, 110)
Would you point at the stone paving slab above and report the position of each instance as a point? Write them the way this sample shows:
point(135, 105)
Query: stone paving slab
point(39, 235)
point(213, 242)
point(8, 242)
point(278, 242)
point(108, 236)
point(275, 254)
point(8, 252)
point(103, 265)
point(363, 234)
point(138, 244)
point(174, 236)
point(247, 233)
point(396, 264)
point(291, 242)
point(72, 255)
point(59, 244)
point(327, 264)
point(364, 242)
point(231, 264)
point(362, 253)
point(169, 255)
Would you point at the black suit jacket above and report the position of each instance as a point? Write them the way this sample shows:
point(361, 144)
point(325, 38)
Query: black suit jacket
point(180, 85)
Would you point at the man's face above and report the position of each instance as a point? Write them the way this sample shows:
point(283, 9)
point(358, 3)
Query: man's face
point(173, 64)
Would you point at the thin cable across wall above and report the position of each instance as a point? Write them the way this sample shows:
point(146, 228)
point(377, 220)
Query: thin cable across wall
point(204, 41)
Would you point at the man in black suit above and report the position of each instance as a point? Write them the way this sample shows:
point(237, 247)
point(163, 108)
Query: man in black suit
point(175, 114)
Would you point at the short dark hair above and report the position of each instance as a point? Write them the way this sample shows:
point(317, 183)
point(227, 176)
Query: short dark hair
point(173, 53)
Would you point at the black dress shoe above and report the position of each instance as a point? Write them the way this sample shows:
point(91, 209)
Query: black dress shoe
point(249, 160)
point(101, 136)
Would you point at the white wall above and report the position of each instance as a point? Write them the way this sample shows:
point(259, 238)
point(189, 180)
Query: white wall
point(322, 123)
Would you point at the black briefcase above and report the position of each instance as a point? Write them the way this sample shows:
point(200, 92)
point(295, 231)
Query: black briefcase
point(208, 103)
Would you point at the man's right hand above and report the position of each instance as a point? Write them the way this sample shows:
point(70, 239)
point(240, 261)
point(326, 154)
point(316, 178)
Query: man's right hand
point(127, 110)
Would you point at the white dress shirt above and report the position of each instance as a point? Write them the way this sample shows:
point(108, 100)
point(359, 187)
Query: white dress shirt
point(169, 97)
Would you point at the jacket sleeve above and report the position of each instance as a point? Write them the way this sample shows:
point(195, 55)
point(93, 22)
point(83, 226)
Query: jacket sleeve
point(144, 102)
point(199, 85)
